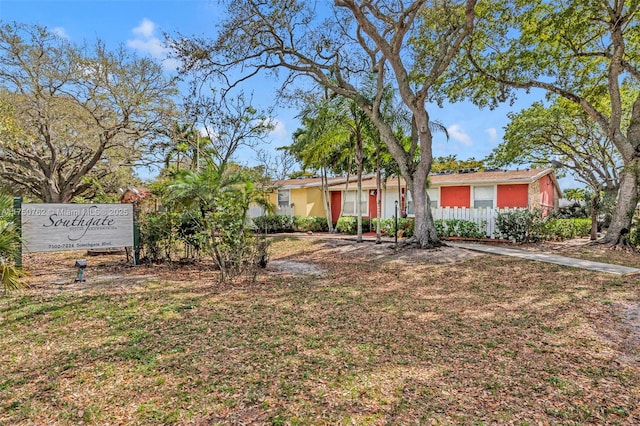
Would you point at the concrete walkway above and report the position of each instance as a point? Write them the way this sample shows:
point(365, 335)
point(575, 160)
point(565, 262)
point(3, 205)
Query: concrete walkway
point(549, 258)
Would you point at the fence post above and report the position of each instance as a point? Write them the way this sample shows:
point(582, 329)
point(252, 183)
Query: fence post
point(17, 220)
point(136, 236)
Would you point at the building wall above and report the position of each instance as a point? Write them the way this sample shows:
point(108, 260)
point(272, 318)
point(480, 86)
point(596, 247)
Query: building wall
point(513, 195)
point(455, 196)
point(336, 205)
point(547, 194)
point(307, 202)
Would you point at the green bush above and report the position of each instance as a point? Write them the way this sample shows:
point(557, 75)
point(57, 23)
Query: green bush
point(634, 235)
point(519, 225)
point(347, 225)
point(272, 224)
point(529, 226)
point(563, 229)
point(387, 226)
point(460, 228)
point(157, 230)
point(9, 245)
point(313, 224)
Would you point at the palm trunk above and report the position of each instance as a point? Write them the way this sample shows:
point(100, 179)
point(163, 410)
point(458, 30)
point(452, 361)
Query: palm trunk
point(359, 161)
point(326, 201)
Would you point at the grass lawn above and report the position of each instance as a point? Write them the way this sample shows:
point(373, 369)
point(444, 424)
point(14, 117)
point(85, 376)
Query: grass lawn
point(333, 332)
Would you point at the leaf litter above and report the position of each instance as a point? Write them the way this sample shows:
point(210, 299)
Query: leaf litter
point(333, 332)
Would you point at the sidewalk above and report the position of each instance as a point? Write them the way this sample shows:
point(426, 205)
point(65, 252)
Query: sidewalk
point(549, 258)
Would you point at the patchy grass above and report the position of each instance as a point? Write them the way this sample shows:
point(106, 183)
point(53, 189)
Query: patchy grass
point(377, 338)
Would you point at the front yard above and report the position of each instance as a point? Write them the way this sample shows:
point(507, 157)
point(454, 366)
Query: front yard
point(333, 332)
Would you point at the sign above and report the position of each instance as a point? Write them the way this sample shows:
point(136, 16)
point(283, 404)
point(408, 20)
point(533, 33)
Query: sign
point(56, 227)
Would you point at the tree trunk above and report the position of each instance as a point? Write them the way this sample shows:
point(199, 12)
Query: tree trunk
point(595, 201)
point(378, 198)
point(359, 162)
point(415, 175)
point(625, 206)
point(425, 234)
point(425, 231)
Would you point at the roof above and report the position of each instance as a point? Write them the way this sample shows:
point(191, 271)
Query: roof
point(525, 176)
point(310, 182)
point(131, 195)
point(492, 177)
point(497, 176)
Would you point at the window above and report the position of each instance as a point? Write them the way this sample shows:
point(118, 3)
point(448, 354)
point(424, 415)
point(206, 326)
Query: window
point(283, 198)
point(350, 203)
point(433, 198)
point(483, 196)
point(434, 194)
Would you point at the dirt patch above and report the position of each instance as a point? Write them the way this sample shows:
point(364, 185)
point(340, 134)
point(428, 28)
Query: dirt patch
point(293, 267)
point(387, 252)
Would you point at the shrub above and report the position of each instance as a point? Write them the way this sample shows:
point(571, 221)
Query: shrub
point(460, 228)
point(529, 226)
point(157, 240)
point(273, 224)
point(347, 225)
point(563, 229)
point(387, 226)
point(634, 235)
point(519, 225)
point(313, 224)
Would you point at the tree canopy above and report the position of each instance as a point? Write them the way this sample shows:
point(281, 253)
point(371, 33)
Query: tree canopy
point(77, 114)
point(340, 49)
point(582, 51)
point(561, 135)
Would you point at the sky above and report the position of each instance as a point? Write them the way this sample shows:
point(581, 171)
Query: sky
point(139, 25)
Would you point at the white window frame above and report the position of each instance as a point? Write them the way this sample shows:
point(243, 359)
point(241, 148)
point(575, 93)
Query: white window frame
point(281, 204)
point(480, 200)
point(350, 205)
point(434, 199)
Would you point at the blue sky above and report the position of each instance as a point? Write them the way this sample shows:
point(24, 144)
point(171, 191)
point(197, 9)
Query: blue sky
point(139, 24)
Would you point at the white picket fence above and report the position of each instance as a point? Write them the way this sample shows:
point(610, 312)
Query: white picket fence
point(256, 211)
point(486, 216)
point(481, 216)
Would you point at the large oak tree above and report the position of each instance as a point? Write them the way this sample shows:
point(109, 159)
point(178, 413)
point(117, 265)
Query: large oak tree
point(79, 113)
point(339, 46)
point(581, 50)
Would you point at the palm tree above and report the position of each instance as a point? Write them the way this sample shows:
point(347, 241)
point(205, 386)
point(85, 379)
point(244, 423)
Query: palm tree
point(323, 144)
point(222, 197)
point(9, 245)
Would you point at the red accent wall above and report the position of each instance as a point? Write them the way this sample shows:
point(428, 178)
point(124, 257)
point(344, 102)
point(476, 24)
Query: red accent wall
point(513, 195)
point(336, 205)
point(546, 193)
point(455, 196)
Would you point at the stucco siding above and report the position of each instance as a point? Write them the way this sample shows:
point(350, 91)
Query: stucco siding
point(455, 196)
point(513, 195)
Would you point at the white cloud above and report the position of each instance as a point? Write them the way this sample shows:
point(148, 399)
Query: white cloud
point(493, 134)
point(147, 42)
point(279, 130)
point(60, 32)
point(457, 133)
point(145, 29)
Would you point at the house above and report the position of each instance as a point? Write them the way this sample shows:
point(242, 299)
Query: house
point(302, 196)
point(493, 189)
